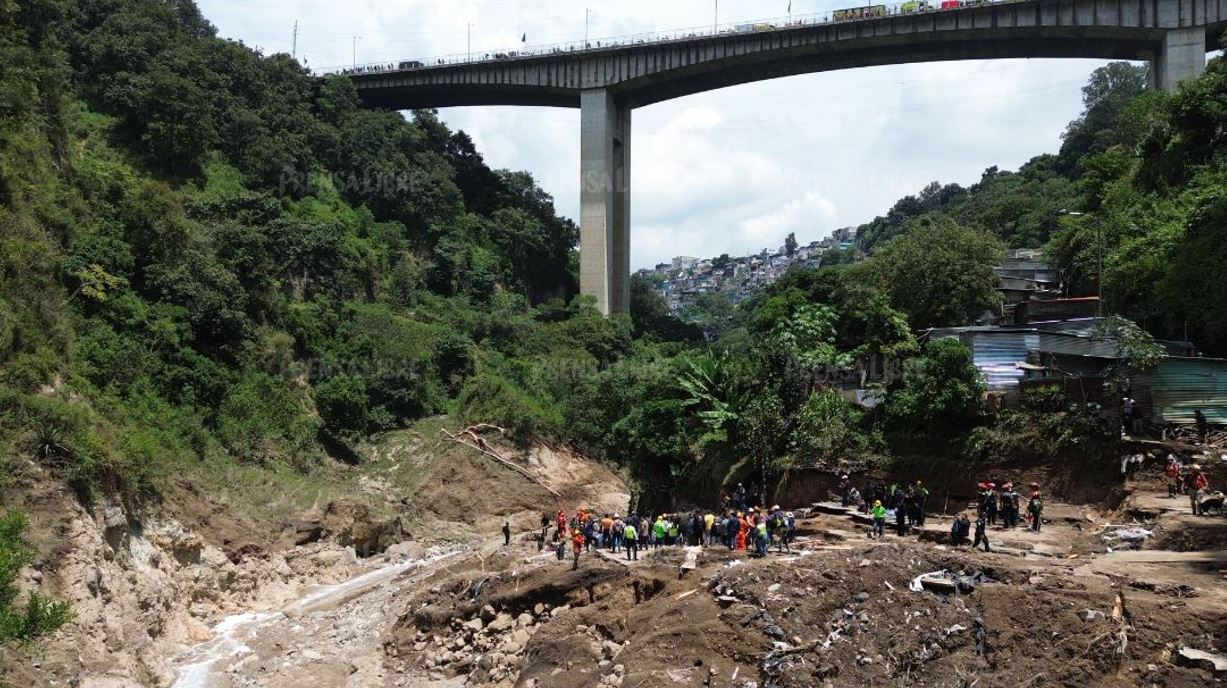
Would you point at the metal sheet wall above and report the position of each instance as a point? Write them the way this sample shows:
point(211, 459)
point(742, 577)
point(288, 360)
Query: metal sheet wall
point(1181, 385)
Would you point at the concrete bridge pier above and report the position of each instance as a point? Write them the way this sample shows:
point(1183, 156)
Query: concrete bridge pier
point(605, 200)
point(1182, 56)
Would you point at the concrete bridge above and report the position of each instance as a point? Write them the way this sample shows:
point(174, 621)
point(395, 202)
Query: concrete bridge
point(608, 81)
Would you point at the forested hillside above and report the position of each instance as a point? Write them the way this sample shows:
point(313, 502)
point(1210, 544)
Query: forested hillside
point(207, 255)
point(1140, 174)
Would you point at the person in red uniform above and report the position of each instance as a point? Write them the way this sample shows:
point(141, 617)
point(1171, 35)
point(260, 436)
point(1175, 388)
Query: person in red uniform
point(577, 546)
point(1197, 485)
point(560, 520)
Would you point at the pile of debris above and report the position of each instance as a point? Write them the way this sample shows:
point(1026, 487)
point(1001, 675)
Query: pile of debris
point(1121, 537)
point(488, 647)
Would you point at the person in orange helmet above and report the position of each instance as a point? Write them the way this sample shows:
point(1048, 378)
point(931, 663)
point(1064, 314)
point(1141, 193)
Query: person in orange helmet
point(743, 527)
point(577, 546)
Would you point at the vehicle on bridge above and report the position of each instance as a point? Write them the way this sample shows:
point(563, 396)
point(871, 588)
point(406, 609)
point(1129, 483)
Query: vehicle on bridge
point(411, 64)
point(869, 12)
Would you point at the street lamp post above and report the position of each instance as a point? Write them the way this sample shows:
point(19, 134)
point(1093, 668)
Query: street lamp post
point(587, 16)
point(355, 50)
point(715, 21)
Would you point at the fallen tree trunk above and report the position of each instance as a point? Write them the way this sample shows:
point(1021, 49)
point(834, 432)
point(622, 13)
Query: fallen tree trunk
point(469, 438)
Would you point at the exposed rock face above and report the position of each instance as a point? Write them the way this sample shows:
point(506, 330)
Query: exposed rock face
point(353, 525)
point(142, 591)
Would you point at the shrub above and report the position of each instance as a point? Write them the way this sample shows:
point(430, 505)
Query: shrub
point(265, 420)
point(491, 398)
point(41, 616)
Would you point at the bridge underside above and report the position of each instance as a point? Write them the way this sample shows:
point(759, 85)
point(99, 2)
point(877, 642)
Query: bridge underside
point(607, 92)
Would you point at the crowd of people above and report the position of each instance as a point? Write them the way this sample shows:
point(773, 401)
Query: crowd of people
point(907, 506)
point(754, 528)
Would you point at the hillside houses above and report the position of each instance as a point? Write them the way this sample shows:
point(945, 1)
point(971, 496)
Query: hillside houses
point(684, 279)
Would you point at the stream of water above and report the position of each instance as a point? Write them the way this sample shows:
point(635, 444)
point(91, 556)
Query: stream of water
point(195, 665)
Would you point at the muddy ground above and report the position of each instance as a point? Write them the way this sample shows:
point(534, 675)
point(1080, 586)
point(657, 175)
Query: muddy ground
point(1054, 608)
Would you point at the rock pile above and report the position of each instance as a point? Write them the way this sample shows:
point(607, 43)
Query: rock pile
point(488, 647)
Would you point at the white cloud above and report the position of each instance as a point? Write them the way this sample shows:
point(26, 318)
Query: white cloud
point(732, 170)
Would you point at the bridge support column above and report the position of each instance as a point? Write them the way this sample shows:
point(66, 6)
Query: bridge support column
point(605, 200)
point(1182, 56)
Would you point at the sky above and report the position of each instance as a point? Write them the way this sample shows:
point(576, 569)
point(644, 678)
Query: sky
point(727, 171)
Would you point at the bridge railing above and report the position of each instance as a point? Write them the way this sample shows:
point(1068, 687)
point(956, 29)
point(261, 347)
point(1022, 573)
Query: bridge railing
point(596, 45)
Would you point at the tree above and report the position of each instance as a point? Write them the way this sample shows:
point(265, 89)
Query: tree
point(790, 244)
point(939, 272)
point(941, 393)
point(1104, 97)
point(828, 431)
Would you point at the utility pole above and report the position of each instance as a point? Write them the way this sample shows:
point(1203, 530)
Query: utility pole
point(1099, 271)
point(1098, 257)
point(294, 48)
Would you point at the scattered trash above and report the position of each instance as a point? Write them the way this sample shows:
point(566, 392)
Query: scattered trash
point(1213, 661)
point(946, 583)
point(1126, 537)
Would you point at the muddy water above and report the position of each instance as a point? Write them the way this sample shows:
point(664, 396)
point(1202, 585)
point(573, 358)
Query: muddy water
point(197, 667)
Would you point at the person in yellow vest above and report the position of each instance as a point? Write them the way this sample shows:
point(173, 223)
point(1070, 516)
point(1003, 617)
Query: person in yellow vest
point(879, 518)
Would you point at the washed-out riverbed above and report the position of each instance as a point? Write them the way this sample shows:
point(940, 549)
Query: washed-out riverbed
point(327, 637)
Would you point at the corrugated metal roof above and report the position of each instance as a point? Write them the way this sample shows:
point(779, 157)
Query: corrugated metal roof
point(996, 353)
point(1181, 385)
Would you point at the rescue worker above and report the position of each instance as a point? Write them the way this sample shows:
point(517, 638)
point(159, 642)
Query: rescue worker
point(879, 518)
point(1009, 506)
point(922, 502)
point(990, 504)
point(743, 529)
point(790, 530)
point(981, 533)
point(560, 520)
point(506, 533)
point(709, 527)
point(761, 536)
point(630, 542)
point(1197, 484)
point(577, 546)
point(1035, 506)
point(658, 532)
point(845, 486)
point(1172, 473)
